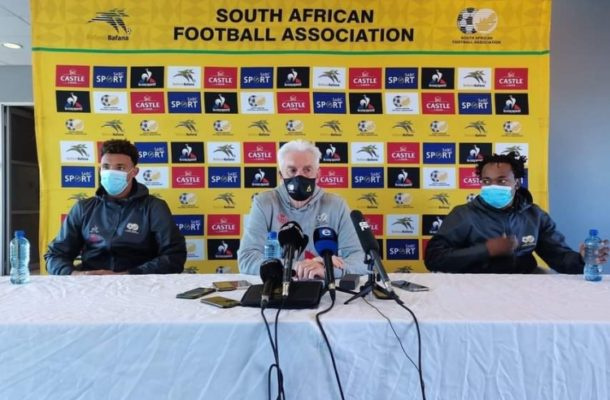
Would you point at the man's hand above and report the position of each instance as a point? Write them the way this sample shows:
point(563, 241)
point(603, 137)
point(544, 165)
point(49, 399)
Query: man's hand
point(310, 269)
point(314, 268)
point(602, 253)
point(501, 246)
point(98, 272)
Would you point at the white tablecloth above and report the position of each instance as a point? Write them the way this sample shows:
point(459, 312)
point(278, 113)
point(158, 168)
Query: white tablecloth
point(127, 337)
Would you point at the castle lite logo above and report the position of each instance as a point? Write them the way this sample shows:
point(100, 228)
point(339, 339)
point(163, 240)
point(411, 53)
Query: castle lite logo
point(365, 78)
point(188, 177)
point(147, 77)
point(147, 103)
point(72, 75)
point(403, 153)
point(511, 79)
point(293, 103)
point(220, 77)
point(259, 152)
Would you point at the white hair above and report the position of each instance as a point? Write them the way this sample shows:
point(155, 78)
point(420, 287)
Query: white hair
point(298, 146)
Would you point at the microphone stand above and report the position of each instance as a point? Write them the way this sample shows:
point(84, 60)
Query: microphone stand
point(370, 284)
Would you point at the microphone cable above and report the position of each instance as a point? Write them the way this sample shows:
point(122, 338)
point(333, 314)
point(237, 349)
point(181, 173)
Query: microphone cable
point(330, 351)
point(418, 367)
point(276, 356)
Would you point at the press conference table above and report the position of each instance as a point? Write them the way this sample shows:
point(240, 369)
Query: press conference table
point(128, 337)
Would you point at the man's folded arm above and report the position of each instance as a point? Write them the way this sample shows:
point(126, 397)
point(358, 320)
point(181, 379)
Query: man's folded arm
point(250, 255)
point(67, 245)
point(552, 248)
point(171, 254)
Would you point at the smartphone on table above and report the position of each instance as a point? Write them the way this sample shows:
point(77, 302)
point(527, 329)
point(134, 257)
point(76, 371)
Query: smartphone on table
point(223, 286)
point(220, 301)
point(409, 286)
point(195, 293)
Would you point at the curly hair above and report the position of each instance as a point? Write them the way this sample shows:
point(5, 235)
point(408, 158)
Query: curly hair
point(517, 163)
point(121, 146)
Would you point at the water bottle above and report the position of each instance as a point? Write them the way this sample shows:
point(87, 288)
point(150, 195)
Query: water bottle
point(272, 246)
point(19, 254)
point(592, 271)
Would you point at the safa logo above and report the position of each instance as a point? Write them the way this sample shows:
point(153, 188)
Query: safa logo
point(152, 152)
point(439, 153)
point(476, 103)
point(110, 77)
point(402, 249)
point(224, 177)
point(401, 78)
point(189, 224)
point(78, 177)
point(256, 78)
point(184, 102)
point(329, 103)
point(363, 177)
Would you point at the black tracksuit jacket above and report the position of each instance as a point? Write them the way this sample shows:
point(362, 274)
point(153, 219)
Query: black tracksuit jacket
point(136, 234)
point(459, 245)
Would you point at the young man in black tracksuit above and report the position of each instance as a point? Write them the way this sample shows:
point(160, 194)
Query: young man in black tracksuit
point(122, 230)
point(499, 230)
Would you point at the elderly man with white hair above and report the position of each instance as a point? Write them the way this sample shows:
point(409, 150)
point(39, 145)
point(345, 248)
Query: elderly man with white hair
point(299, 199)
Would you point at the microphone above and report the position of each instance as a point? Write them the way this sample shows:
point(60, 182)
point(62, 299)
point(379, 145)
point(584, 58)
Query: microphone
point(371, 247)
point(271, 274)
point(293, 242)
point(325, 241)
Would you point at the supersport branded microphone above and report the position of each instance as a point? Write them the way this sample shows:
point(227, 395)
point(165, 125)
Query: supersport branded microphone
point(271, 274)
point(371, 247)
point(325, 241)
point(293, 242)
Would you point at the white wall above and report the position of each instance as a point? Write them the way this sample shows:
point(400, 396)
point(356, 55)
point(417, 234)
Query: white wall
point(579, 150)
point(16, 83)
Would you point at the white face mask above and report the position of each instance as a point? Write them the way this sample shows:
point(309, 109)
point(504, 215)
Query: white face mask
point(114, 181)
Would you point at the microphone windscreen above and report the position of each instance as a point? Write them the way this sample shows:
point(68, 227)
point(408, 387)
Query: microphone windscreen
point(271, 269)
point(325, 239)
point(364, 232)
point(292, 235)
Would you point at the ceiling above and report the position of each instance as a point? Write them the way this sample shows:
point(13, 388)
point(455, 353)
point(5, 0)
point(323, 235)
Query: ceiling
point(15, 27)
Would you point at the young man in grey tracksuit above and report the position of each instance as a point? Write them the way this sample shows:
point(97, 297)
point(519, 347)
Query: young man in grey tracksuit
point(298, 199)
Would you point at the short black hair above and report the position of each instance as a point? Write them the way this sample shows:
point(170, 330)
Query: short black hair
point(121, 146)
point(516, 161)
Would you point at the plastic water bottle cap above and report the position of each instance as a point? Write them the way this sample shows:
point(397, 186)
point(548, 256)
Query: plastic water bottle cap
point(19, 234)
point(272, 235)
point(593, 232)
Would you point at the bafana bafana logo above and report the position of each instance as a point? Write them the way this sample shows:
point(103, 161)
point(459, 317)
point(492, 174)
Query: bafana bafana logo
point(115, 18)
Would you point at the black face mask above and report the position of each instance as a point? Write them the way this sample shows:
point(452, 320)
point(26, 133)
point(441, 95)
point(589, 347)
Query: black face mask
point(299, 187)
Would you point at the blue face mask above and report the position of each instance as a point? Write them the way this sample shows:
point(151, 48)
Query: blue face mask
point(497, 196)
point(114, 181)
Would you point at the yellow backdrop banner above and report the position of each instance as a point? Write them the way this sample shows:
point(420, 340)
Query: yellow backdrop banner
point(401, 97)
